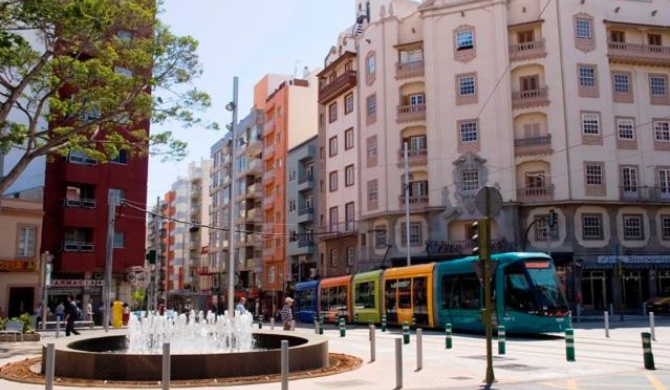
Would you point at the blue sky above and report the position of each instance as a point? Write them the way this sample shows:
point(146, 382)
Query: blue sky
point(247, 39)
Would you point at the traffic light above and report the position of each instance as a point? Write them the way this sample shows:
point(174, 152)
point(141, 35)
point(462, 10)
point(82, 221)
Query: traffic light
point(480, 239)
point(553, 218)
point(151, 256)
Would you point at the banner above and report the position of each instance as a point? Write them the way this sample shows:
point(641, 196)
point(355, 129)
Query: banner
point(634, 259)
point(18, 266)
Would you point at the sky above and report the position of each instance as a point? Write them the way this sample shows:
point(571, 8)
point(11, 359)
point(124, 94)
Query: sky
point(247, 39)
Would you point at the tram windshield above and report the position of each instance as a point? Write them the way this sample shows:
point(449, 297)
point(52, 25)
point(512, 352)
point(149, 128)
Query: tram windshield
point(534, 287)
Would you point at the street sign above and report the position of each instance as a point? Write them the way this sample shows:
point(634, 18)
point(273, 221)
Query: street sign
point(494, 199)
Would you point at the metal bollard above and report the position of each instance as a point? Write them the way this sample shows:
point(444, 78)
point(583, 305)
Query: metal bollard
point(646, 348)
point(57, 327)
point(447, 331)
point(50, 367)
point(260, 321)
point(570, 345)
point(343, 329)
point(373, 346)
point(419, 349)
point(398, 363)
point(501, 339)
point(166, 367)
point(651, 325)
point(272, 323)
point(405, 332)
point(284, 365)
point(607, 324)
point(320, 325)
point(316, 326)
point(384, 323)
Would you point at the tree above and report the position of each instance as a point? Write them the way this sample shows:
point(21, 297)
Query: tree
point(89, 76)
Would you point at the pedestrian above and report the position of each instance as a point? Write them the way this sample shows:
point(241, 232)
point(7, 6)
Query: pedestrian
point(60, 311)
point(38, 315)
point(71, 311)
point(286, 314)
point(240, 309)
point(89, 313)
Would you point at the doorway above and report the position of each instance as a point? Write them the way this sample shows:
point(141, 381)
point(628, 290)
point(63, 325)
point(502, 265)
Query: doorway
point(594, 290)
point(21, 300)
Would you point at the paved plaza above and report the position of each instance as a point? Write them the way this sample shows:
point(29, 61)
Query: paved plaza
point(601, 363)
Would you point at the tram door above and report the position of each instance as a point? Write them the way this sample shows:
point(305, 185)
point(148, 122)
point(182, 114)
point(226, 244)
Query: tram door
point(594, 290)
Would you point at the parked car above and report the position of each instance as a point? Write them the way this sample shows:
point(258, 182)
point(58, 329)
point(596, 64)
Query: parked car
point(658, 305)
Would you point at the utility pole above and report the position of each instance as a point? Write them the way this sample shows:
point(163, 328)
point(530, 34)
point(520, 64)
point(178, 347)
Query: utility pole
point(407, 235)
point(109, 258)
point(157, 243)
point(232, 106)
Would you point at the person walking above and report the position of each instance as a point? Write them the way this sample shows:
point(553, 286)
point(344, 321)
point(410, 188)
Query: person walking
point(240, 308)
point(286, 314)
point(89, 313)
point(71, 311)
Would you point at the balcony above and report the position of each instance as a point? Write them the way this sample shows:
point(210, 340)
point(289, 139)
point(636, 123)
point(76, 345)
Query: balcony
point(269, 202)
point(78, 246)
point(532, 146)
point(305, 182)
point(269, 127)
point(530, 98)
point(254, 216)
point(411, 113)
point(637, 54)
point(306, 247)
point(416, 157)
point(305, 214)
point(406, 70)
point(331, 90)
point(269, 177)
point(254, 240)
point(535, 194)
point(527, 51)
point(255, 191)
point(415, 201)
point(255, 145)
point(269, 152)
point(339, 230)
point(644, 194)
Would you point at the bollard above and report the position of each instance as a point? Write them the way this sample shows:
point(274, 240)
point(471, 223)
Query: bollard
point(57, 327)
point(405, 332)
point(320, 325)
point(50, 367)
point(413, 326)
point(316, 326)
point(447, 332)
point(570, 345)
point(166, 366)
point(579, 313)
point(384, 323)
point(343, 329)
point(651, 325)
point(373, 347)
point(607, 324)
point(272, 323)
point(398, 363)
point(419, 349)
point(355, 318)
point(646, 348)
point(501, 339)
point(284, 365)
point(260, 321)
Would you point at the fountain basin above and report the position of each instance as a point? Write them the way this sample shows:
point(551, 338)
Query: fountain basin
point(95, 357)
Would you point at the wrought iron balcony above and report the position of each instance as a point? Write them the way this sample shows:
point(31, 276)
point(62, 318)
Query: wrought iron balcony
point(644, 194)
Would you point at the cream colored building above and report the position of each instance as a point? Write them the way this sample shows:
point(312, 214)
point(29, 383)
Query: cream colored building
point(560, 105)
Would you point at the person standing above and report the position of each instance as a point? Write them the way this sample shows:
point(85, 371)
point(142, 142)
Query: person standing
point(70, 316)
point(240, 309)
point(286, 314)
point(60, 311)
point(89, 312)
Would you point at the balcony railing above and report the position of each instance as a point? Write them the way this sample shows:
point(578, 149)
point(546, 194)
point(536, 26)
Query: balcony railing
point(405, 70)
point(414, 201)
point(77, 246)
point(305, 244)
point(305, 179)
point(268, 176)
point(269, 152)
point(328, 91)
point(530, 98)
point(81, 202)
point(255, 191)
point(633, 53)
point(269, 127)
point(532, 146)
point(411, 113)
point(269, 201)
point(416, 156)
point(340, 229)
point(527, 51)
point(535, 194)
point(306, 211)
point(644, 194)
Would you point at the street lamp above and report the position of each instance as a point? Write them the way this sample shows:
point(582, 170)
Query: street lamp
point(232, 106)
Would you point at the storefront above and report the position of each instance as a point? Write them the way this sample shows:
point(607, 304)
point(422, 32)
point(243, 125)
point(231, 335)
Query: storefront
point(19, 281)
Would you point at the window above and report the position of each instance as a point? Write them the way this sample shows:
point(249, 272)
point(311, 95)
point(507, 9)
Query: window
point(583, 28)
point(380, 237)
point(416, 99)
point(655, 39)
point(592, 227)
point(469, 180)
point(121, 158)
point(663, 182)
point(665, 227)
point(542, 229)
point(332, 112)
point(332, 181)
point(372, 151)
point(348, 139)
point(414, 234)
point(371, 64)
point(662, 131)
point(350, 216)
point(349, 175)
point(333, 216)
point(332, 146)
point(617, 36)
point(587, 76)
point(526, 36)
point(594, 174)
point(590, 123)
point(348, 103)
point(373, 190)
point(26, 237)
point(658, 85)
point(468, 132)
point(629, 179)
point(465, 40)
point(625, 128)
point(119, 240)
point(372, 105)
point(621, 83)
point(291, 205)
point(351, 255)
point(333, 258)
point(416, 143)
point(466, 85)
point(632, 227)
point(529, 83)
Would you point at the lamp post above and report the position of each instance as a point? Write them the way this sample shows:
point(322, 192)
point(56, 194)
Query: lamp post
point(232, 106)
point(407, 236)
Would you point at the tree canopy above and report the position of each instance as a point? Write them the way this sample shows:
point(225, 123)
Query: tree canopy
point(90, 76)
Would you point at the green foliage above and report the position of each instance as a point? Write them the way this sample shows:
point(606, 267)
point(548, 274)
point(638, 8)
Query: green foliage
point(98, 72)
point(138, 296)
point(26, 318)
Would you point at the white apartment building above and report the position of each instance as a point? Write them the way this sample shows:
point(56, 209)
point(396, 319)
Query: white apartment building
point(560, 105)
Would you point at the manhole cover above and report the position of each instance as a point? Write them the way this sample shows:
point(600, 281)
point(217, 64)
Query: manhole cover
point(483, 357)
point(517, 367)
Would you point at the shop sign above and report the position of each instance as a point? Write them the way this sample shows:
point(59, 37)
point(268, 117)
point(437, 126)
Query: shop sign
point(77, 283)
point(634, 259)
point(18, 266)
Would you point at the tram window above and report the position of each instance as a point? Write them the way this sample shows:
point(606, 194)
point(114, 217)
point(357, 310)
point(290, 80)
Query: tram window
point(365, 295)
point(461, 292)
point(305, 298)
point(420, 295)
point(518, 295)
point(404, 294)
point(324, 299)
point(390, 293)
point(341, 300)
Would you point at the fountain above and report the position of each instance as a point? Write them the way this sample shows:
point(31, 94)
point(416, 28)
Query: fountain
point(201, 347)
